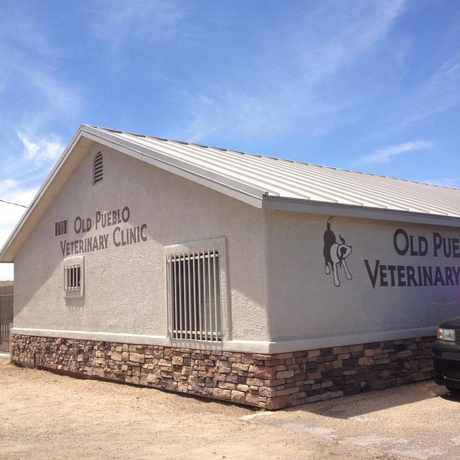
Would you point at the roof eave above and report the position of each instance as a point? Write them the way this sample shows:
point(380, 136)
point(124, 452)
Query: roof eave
point(238, 190)
point(358, 212)
point(6, 255)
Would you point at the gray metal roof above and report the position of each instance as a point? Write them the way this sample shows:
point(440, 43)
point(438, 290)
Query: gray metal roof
point(261, 181)
point(302, 181)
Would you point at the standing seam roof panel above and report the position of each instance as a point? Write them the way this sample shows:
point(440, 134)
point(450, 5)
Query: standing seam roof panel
point(303, 181)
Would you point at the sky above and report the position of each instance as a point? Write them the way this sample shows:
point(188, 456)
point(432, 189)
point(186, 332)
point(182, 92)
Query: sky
point(371, 85)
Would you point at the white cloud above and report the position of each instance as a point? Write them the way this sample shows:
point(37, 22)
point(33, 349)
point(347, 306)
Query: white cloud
point(149, 20)
point(10, 216)
point(6, 185)
point(346, 31)
point(387, 154)
point(300, 89)
point(60, 96)
point(31, 63)
point(440, 93)
point(41, 149)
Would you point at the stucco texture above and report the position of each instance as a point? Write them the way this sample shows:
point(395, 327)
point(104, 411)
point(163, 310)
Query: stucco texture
point(282, 293)
point(304, 302)
point(125, 286)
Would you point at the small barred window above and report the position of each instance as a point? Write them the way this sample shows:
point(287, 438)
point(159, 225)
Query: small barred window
point(73, 277)
point(98, 168)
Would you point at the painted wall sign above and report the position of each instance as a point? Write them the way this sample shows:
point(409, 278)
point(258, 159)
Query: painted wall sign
point(120, 233)
point(336, 253)
point(383, 274)
point(423, 275)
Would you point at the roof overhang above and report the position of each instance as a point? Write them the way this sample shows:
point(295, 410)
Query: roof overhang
point(86, 137)
point(80, 144)
point(63, 168)
point(237, 189)
point(357, 212)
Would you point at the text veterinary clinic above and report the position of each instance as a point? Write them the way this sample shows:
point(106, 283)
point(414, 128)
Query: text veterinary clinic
point(119, 236)
point(404, 244)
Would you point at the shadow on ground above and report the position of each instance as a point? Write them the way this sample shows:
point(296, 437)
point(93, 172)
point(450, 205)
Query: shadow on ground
point(451, 396)
point(374, 401)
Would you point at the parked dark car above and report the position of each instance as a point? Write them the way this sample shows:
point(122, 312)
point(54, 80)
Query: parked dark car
point(446, 355)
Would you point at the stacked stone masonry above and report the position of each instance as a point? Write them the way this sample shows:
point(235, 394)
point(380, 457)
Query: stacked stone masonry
point(270, 381)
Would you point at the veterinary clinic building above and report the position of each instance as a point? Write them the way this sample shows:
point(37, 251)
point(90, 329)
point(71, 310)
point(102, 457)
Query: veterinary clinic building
point(231, 276)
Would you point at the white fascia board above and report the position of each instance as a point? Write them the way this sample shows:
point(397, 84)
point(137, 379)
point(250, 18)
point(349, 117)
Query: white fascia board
point(357, 212)
point(243, 192)
point(239, 190)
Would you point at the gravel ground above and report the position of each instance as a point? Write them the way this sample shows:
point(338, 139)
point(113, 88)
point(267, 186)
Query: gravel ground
point(46, 416)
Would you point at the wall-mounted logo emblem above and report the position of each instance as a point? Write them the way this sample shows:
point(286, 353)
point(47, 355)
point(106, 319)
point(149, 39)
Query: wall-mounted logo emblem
point(336, 253)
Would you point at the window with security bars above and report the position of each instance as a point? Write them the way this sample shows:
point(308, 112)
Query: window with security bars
point(98, 168)
point(194, 296)
point(74, 277)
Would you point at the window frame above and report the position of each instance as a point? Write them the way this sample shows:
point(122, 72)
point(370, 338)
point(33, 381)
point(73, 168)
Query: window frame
point(69, 263)
point(190, 247)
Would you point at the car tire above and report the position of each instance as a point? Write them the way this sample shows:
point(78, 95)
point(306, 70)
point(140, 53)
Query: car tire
point(454, 391)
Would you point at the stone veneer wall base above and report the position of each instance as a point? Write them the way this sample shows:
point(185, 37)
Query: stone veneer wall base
point(269, 381)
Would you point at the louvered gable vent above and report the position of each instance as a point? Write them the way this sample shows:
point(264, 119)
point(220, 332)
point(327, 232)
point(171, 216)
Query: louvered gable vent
point(98, 168)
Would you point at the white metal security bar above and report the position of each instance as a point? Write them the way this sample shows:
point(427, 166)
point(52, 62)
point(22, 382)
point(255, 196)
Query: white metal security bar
point(72, 279)
point(194, 296)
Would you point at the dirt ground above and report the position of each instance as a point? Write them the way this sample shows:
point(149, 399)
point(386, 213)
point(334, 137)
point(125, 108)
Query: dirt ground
point(46, 416)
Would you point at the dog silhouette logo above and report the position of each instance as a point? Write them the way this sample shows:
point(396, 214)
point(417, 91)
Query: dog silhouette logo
point(336, 253)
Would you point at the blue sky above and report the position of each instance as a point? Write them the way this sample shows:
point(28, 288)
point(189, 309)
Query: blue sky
point(366, 85)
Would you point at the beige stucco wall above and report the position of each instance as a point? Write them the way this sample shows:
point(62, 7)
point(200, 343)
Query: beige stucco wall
point(281, 299)
point(306, 309)
point(125, 286)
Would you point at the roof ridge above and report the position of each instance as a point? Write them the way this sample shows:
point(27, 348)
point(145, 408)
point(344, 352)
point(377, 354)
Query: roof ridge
point(278, 158)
